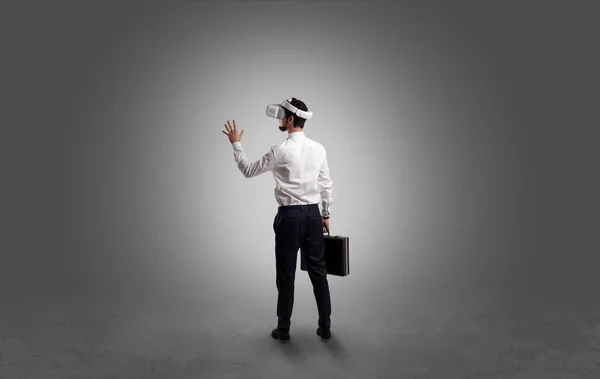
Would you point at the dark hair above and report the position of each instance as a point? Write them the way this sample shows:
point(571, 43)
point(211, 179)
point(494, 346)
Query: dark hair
point(298, 121)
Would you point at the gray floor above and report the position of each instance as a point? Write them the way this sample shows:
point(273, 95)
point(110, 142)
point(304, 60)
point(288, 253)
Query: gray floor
point(219, 340)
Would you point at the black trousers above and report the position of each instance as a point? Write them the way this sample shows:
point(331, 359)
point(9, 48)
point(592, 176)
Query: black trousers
point(297, 226)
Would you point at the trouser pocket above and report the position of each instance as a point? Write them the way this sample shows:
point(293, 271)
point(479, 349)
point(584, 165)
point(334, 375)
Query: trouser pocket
point(275, 223)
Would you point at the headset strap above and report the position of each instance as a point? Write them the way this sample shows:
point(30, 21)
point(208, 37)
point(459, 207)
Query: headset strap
point(304, 114)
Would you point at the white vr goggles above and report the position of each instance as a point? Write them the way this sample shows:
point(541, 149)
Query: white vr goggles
point(277, 110)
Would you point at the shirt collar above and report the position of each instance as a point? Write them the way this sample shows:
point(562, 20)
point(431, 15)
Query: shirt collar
point(295, 134)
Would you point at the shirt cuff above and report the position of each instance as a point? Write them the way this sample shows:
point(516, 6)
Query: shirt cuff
point(237, 145)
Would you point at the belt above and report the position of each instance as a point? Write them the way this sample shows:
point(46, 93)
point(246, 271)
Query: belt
point(302, 207)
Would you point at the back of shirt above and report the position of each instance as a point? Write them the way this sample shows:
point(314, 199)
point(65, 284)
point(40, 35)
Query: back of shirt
point(302, 173)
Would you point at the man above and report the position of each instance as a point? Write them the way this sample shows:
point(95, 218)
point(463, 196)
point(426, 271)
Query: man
point(299, 166)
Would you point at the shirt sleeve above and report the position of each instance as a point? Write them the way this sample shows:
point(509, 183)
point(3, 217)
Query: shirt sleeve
point(251, 169)
point(326, 188)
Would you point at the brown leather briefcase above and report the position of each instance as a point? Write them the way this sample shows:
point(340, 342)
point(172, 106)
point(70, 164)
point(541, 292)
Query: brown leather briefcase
point(337, 255)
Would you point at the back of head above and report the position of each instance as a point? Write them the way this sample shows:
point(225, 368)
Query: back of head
point(298, 121)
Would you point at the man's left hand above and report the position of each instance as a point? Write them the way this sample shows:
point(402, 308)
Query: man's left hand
point(232, 132)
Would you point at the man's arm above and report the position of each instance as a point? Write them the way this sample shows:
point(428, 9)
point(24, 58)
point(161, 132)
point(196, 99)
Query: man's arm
point(326, 187)
point(251, 169)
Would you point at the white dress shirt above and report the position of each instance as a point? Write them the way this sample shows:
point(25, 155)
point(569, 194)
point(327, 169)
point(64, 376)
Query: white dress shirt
point(300, 169)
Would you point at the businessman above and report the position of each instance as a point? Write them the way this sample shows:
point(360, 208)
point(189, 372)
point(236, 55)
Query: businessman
point(301, 173)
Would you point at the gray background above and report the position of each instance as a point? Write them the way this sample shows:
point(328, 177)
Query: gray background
point(462, 139)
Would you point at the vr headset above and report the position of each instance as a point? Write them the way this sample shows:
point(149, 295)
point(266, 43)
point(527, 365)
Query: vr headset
point(277, 110)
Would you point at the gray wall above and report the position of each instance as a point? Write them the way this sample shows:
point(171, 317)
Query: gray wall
point(462, 139)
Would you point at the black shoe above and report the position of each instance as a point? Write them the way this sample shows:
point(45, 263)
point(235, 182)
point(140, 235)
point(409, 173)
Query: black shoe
point(325, 334)
point(281, 334)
